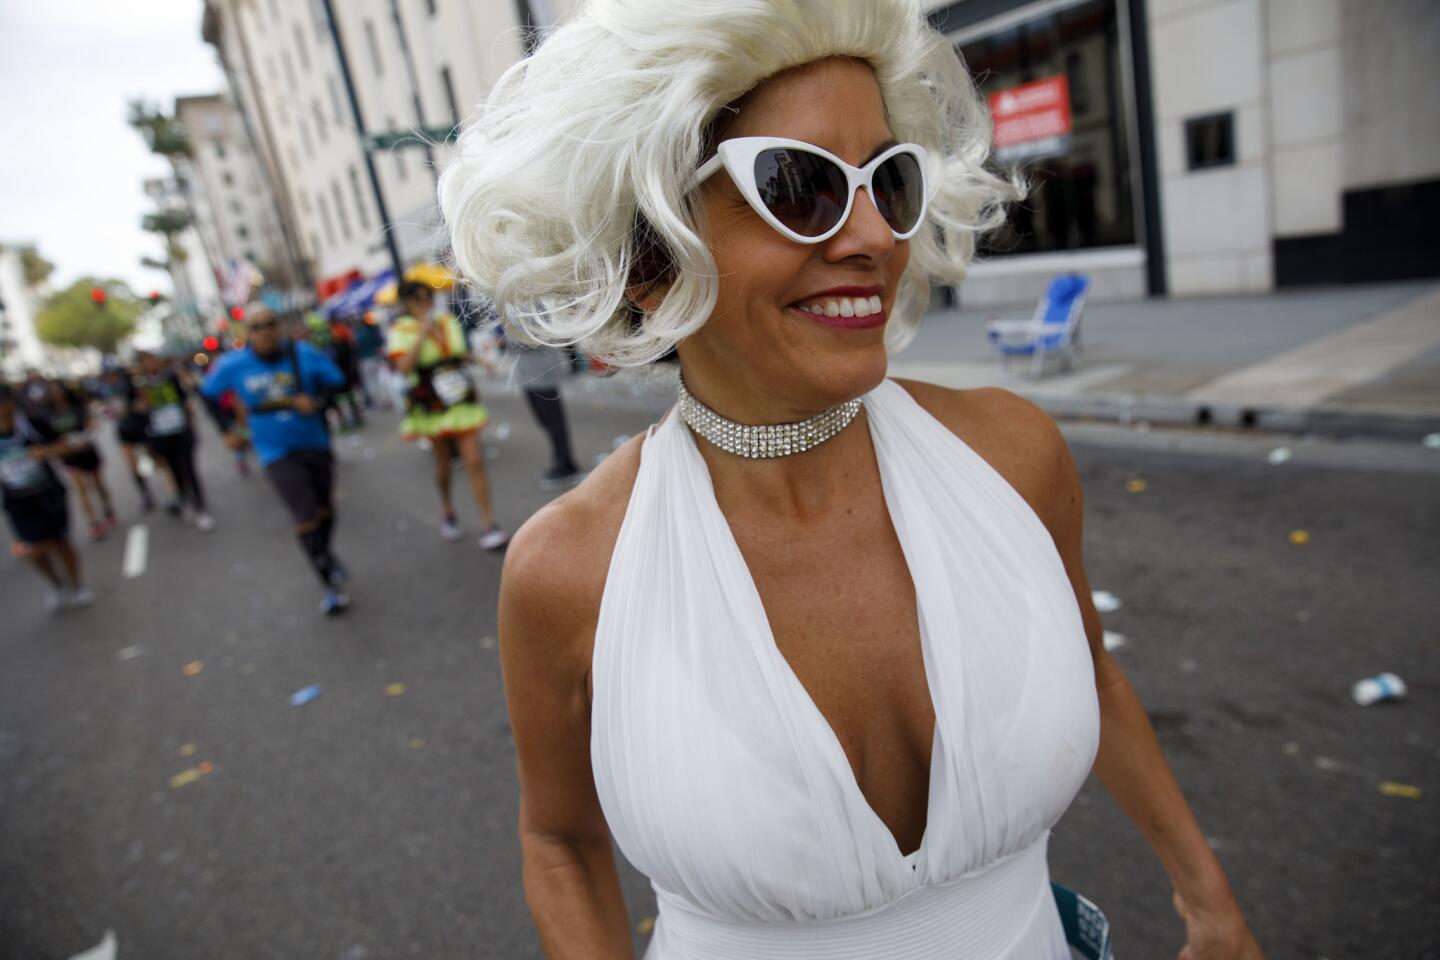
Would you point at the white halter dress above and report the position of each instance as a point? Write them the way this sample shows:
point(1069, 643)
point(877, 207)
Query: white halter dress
point(723, 782)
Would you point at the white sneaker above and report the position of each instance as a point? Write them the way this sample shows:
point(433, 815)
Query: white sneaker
point(204, 522)
point(79, 598)
point(450, 529)
point(494, 539)
point(334, 602)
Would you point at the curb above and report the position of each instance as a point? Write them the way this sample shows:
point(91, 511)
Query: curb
point(1338, 422)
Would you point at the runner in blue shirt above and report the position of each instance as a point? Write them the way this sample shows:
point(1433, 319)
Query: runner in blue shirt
point(283, 385)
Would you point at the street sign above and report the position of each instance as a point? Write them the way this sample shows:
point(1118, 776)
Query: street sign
point(410, 138)
point(1032, 120)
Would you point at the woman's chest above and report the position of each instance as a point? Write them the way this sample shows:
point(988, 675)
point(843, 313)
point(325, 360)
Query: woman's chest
point(841, 608)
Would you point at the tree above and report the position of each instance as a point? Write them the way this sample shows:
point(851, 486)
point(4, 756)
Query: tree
point(35, 267)
point(164, 134)
point(74, 317)
point(169, 224)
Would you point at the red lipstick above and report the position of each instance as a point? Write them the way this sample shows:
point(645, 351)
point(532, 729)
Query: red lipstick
point(877, 319)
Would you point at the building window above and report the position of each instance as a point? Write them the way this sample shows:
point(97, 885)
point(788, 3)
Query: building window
point(337, 109)
point(305, 139)
point(236, 208)
point(314, 244)
point(401, 172)
point(220, 149)
point(242, 232)
point(321, 127)
point(1210, 141)
point(340, 208)
point(290, 77)
point(359, 198)
point(430, 7)
point(325, 220)
point(305, 201)
point(1054, 86)
point(250, 255)
point(317, 14)
point(300, 49)
point(449, 86)
point(275, 10)
point(374, 43)
point(227, 178)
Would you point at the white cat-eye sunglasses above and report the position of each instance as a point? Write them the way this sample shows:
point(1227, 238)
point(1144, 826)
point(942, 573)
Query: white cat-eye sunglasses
point(807, 193)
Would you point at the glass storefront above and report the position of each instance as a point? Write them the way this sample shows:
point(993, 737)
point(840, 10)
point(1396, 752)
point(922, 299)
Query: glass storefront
point(1076, 155)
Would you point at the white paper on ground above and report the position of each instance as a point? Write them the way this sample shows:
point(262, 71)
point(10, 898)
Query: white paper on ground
point(1105, 601)
point(104, 950)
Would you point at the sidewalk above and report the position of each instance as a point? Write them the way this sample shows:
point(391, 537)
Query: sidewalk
point(1354, 360)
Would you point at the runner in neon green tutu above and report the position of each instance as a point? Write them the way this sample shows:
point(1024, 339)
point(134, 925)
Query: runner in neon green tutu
point(443, 402)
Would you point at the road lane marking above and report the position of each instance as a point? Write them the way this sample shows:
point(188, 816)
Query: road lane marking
point(137, 547)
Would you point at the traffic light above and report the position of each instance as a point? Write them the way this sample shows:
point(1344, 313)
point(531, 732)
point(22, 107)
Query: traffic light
point(211, 343)
point(237, 313)
point(98, 295)
point(154, 297)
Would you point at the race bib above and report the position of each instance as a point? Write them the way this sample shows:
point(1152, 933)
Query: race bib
point(167, 421)
point(451, 386)
point(18, 472)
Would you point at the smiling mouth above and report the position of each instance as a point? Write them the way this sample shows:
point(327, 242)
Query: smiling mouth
point(844, 312)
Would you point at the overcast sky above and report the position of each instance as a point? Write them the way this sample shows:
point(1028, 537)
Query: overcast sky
point(70, 167)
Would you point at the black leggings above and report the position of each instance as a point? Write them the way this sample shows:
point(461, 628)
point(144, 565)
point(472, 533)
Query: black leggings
point(178, 454)
point(550, 411)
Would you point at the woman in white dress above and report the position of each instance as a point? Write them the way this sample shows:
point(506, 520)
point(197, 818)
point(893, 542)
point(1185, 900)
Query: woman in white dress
point(818, 649)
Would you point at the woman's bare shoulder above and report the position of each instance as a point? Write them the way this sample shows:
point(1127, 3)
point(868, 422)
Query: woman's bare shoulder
point(556, 565)
point(1017, 438)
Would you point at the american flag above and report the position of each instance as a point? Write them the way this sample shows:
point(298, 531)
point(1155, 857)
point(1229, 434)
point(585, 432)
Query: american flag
point(238, 277)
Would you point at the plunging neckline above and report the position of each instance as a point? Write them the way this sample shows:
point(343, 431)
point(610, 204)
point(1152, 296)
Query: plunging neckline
point(830, 740)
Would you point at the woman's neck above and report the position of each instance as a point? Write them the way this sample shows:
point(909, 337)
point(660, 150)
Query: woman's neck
point(796, 485)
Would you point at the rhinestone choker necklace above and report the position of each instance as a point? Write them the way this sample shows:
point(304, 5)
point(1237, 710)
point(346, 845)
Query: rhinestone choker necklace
point(768, 440)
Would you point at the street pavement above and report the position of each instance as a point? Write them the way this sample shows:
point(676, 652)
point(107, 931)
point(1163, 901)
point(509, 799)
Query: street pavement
point(1349, 360)
point(367, 826)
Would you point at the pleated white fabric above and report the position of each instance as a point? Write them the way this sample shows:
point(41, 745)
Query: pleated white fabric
point(723, 782)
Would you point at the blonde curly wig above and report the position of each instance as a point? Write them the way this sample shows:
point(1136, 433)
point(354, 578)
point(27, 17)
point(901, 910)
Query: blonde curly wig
point(575, 177)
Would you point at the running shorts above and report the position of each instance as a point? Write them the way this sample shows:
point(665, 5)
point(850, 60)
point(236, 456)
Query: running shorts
point(86, 460)
point(40, 516)
point(304, 479)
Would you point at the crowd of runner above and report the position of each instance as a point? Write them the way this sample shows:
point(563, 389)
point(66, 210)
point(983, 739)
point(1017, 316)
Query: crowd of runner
point(276, 399)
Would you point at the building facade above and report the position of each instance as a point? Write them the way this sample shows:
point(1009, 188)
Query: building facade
point(234, 208)
point(1207, 146)
point(350, 103)
point(21, 349)
point(197, 305)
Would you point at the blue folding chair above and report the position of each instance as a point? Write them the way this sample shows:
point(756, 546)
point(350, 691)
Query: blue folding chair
point(1054, 330)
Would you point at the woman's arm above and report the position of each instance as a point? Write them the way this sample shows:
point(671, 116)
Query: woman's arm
point(571, 883)
point(1130, 763)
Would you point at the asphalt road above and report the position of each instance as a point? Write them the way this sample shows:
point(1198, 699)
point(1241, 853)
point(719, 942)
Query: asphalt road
point(367, 826)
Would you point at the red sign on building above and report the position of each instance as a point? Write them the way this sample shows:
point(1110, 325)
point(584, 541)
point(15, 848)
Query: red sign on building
point(1032, 120)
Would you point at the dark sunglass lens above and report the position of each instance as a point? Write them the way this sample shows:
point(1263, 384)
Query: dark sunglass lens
point(804, 191)
point(900, 191)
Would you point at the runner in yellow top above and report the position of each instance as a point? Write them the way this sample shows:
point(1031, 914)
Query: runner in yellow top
point(443, 402)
